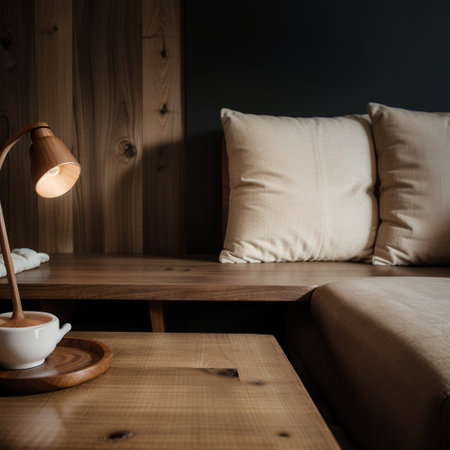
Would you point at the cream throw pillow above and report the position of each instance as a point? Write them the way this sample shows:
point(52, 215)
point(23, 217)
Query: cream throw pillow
point(301, 189)
point(413, 150)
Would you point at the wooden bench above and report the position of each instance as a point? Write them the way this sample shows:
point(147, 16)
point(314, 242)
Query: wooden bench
point(157, 280)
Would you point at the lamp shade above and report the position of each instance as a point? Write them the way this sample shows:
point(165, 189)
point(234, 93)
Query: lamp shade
point(54, 169)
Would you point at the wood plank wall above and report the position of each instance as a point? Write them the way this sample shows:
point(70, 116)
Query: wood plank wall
point(162, 60)
point(107, 77)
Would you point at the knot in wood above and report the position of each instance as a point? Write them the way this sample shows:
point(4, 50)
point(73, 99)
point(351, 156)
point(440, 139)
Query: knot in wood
point(5, 39)
point(127, 150)
point(163, 111)
point(230, 373)
point(119, 435)
point(257, 383)
point(284, 434)
point(53, 28)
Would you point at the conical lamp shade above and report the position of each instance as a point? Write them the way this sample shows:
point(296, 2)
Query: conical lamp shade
point(54, 169)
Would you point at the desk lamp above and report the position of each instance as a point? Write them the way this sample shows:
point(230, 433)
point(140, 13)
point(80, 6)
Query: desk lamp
point(54, 171)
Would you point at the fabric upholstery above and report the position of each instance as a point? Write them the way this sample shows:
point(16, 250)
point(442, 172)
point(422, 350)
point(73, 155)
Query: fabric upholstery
point(301, 189)
point(389, 342)
point(413, 151)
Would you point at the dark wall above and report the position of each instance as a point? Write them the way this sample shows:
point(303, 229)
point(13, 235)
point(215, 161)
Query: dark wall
point(301, 58)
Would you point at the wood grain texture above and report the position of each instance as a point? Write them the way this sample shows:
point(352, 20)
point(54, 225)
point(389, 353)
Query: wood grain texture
point(16, 105)
point(54, 94)
point(86, 67)
point(175, 391)
point(156, 278)
point(163, 131)
point(108, 123)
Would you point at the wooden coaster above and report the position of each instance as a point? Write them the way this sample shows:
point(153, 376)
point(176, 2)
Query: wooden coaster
point(74, 361)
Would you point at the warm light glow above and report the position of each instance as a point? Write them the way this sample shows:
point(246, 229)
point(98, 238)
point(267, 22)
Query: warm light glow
point(53, 172)
point(50, 185)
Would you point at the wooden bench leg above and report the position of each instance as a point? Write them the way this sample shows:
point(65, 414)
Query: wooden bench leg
point(157, 318)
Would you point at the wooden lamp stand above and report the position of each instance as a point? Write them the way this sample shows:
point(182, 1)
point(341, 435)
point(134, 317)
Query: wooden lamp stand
point(54, 171)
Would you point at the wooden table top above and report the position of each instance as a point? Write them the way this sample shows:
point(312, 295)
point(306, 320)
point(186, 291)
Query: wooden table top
point(155, 278)
point(174, 391)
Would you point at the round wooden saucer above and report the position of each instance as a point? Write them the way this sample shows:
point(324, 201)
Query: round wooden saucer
point(74, 361)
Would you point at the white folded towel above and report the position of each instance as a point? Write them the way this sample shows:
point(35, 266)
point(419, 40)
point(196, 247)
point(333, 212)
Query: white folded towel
point(23, 259)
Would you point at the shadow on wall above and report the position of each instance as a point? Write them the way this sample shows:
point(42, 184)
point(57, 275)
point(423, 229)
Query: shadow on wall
point(301, 59)
point(204, 181)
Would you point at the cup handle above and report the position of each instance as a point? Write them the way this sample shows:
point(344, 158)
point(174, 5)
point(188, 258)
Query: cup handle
point(63, 330)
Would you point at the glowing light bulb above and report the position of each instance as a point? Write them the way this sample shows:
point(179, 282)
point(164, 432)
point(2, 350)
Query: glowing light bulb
point(53, 172)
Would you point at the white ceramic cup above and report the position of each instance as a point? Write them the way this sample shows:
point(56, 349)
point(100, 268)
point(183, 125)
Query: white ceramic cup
point(26, 347)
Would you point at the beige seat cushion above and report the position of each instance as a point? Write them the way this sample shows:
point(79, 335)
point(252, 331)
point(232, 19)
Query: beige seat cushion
point(390, 341)
point(413, 150)
point(301, 189)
